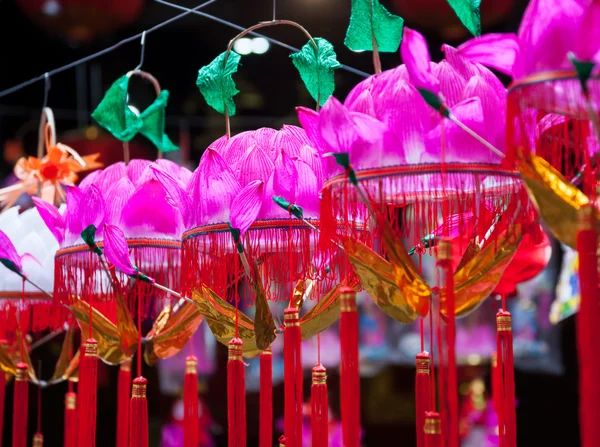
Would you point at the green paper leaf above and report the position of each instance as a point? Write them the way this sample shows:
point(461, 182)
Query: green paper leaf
point(427, 242)
point(89, 237)
point(235, 233)
point(434, 101)
point(115, 116)
point(343, 159)
point(316, 70)
point(143, 277)
point(583, 69)
point(11, 266)
point(216, 84)
point(385, 26)
point(468, 13)
point(286, 205)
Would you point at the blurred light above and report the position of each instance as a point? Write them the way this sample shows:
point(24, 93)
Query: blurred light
point(473, 359)
point(243, 46)
point(260, 45)
point(134, 109)
point(51, 8)
point(91, 133)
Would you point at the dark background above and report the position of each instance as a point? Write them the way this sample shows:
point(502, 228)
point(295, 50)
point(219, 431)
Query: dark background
point(33, 43)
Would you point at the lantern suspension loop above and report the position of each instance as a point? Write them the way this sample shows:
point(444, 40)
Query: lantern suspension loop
point(274, 9)
point(46, 120)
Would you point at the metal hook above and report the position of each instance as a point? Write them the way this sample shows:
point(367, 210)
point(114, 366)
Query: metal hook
point(46, 89)
point(143, 43)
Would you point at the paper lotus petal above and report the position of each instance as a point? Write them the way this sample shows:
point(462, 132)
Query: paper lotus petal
point(135, 168)
point(90, 178)
point(497, 51)
point(148, 213)
point(117, 251)
point(116, 199)
point(588, 42)
point(307, 194)
point(263, 138)
point(285, 177)
point(452, 83)
point(51, 217)
point(91, 207)
point(415, 56)
point(110, 176)
point(309, 119)
point(246, 206)
point(175, 194)
point(72, 215)
point(255, 165)
point(8, 252)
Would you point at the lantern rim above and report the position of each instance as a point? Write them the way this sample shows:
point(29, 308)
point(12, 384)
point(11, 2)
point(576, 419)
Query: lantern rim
point(545, 76)
point(132, 243)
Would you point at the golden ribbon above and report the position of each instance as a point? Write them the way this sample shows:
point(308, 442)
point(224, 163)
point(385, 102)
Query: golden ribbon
point(264, 326)
point(172, 330)
point(128, 333)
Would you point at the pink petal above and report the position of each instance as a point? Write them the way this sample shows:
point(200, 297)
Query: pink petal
point(296, 133)
point(110, 175)
point(285, 177)
point(149, 214)
point(73, 215)
point(51, 217)
point(117, 197)
point(171, 168)
point(415, 56)
point(263, 138)
point(212, 188)
point(116, 249)
point(364, 86)
point(451, 81)
point(255, 165)
point(367, 150)
point(309, 119)
point(549, 30)
point(235, 148)
point(175, 194)
point(91, 207)
point(289, 139)
point(364, 104)
point(497, 51)
point(8, 251)
point(588, 42)
point(461, 64)
point(90, 178)
point(494, 110)
point(246, 206)
point(460, 146)
point(31, 258)
point(310, 156)
point(337, 126)
point(135, 168)
point(307, 191)
point(184, 175)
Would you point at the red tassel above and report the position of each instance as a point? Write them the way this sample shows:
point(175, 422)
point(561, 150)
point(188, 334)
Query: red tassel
point(236, 395)
point(451, 386)
point(319, 407)
point(432, 429)
point(38, 440)
point(20, 406)
point(349, 373)
point(504, 353)
point(328, 223)
point(123, 397)
point(138, 414)
point(190, 402)
point(88, 383)
point(266, 398)
point(70, 419)
point(2, 396)
point(422, 395)
point(293, 378)
point(498, 396)
point(588, 329)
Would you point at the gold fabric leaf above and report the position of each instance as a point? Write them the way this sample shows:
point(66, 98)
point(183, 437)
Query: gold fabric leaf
point(66, 354)
point(128, 333)
point(220, 317)
point(172, 336)
point(264, 325)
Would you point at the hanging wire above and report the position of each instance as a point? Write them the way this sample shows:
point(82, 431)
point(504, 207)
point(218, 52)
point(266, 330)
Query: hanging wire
point(187, 11)
point(22, 85)
point(274, 9)
point(255, 34)
point(143, 43)
point(46, 89)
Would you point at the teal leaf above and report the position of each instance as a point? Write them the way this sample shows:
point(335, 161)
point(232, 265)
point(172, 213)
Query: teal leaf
point(11, 266)
point(383, 25)
point(286, 205)
point(235, 233)
point(343, 159)
point(583, 69)
point(216, 83)
point(316, 70)
point(434, 101)
point(468, 13)
point(89, 237)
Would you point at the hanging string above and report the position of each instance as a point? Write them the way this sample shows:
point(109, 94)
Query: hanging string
point(39, 399)
point(20, 322)
point(139, 328)
point(274, 9)
point(187, 11)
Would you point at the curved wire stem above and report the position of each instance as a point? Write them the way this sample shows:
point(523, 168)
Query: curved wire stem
point(251, 30)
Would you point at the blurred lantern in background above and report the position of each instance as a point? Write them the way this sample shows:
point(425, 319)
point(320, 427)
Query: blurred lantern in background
point(80, 21)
